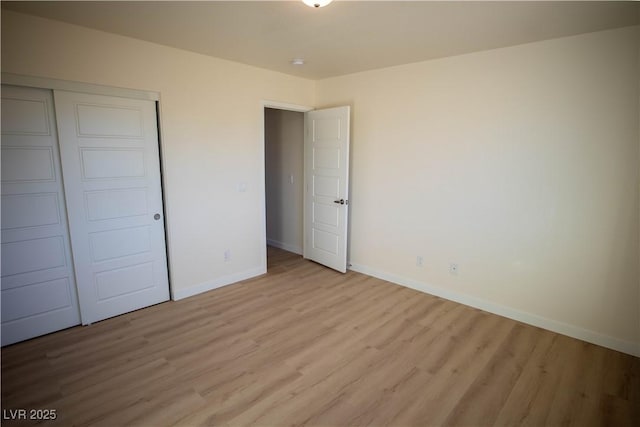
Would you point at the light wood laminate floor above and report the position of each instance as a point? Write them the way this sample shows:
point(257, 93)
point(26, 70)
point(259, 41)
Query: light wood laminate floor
point(304, 345)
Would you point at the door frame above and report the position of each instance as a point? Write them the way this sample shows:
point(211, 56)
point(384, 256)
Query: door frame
point(264, 104)
point(96, 89)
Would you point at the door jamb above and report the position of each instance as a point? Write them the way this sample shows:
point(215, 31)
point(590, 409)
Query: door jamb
point(72, 86)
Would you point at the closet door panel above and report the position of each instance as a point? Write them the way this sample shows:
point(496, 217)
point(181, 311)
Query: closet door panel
point(110, 158)
point(38, 284)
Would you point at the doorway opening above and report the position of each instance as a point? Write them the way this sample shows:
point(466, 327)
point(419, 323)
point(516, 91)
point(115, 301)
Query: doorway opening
point(306, 187)
point(284, 178)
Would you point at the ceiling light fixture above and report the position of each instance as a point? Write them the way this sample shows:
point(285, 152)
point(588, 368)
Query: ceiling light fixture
point(317, 3)
point(297, 61)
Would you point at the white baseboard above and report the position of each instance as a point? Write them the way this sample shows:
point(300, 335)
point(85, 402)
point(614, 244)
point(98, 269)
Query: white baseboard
point(287, 247)
point(217, 283)
point(521, 316)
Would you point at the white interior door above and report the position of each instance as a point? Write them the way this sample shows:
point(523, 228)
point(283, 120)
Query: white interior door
point(326, 201)
point(110, 159)
point(38, 286)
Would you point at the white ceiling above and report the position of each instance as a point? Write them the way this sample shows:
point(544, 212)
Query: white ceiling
point(342, 38)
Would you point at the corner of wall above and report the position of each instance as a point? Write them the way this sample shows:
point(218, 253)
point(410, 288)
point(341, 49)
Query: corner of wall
point(210, 285)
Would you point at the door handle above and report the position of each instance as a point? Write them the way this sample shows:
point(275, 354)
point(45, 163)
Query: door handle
point(156, 216)
point(340, 202)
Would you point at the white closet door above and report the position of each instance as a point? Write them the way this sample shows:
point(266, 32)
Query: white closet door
point(38, 287)
point(110, 159)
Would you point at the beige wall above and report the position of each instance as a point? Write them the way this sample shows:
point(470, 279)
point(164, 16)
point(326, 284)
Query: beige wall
point(518, 164)
point(212, 134)
point(284, 159)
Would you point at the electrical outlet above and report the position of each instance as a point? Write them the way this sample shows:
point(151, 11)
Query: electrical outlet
point(419, 261)
point(227, 255)
point(453, 268)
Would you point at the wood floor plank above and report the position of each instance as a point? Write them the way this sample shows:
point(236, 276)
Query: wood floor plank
point(450, 381)
point(531, 397)
point(305, 345)
point(486, 396)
